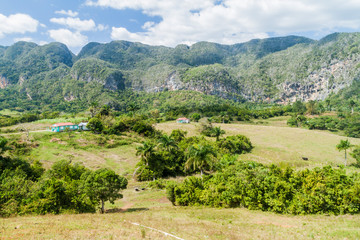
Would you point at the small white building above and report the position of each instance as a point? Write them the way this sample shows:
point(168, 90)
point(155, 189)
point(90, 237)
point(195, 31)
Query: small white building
point(82, 126)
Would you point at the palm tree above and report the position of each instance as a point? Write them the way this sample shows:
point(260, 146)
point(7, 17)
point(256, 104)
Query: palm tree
point(217, 131)
point(200, 156)
point(352, 104)
point(344, 145)
point(167, 143)
point(145, 151)
point(94, 108)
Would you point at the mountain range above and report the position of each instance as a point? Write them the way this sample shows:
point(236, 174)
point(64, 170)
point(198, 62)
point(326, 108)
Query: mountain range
point(278, 70)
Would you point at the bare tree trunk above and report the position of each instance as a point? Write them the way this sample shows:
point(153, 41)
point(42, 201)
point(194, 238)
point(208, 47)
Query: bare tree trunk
point(102, 206)
point(345, 157)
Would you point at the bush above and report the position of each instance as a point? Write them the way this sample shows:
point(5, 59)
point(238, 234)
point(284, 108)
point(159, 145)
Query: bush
point(356, 154)
point(237, 144)
point(269, 188)
point(195, 117)
point(158, 184)
point(144, 173)
point(95, 125)
point(143, 128)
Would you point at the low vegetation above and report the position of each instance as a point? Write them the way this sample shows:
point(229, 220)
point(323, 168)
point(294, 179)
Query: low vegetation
point(141, 146)
point(29, 188)
point(270, 188)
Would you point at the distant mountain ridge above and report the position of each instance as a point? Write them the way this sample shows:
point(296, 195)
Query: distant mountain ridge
point(280, 69)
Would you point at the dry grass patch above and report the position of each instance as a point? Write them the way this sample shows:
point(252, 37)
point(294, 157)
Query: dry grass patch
point(185, 222)
point(279, 144)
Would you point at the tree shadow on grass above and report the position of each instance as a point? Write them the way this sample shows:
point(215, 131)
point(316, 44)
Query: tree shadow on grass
point(119, 210)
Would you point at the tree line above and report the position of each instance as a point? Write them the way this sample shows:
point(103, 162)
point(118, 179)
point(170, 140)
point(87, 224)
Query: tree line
point(269, 188)
point(27, 188)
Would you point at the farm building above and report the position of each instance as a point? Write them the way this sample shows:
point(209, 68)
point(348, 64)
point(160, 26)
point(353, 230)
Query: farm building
point(59, 127)
point(82, 126)
point(183, 120)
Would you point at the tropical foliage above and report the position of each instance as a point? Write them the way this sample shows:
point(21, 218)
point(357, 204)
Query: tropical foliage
point(65, 187)
point(270, 188)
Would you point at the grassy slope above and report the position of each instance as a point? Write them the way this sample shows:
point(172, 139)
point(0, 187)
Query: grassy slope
point(273, 144)
point(281, 145)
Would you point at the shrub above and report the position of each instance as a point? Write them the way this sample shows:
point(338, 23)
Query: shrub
point(270, 188)
point(237, 144)
point(356, 154)
point(143, 128)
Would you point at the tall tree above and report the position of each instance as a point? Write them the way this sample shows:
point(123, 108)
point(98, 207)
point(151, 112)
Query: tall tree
point(344, 145)
point(94, 109)
point(95, 125)
point(217, 131)
point(167, 143)
point(200, 156)
point(104, 185)
point(352, 104)
point(311, 107)
point(145, 151)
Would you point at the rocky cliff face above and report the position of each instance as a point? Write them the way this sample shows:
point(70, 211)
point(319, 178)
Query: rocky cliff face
point(112, 81)
point(3, 82)
point(174, 82)
point(319, 84)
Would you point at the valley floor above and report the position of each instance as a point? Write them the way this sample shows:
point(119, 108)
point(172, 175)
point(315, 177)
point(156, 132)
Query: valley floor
point(129, 217)
point(182, 222)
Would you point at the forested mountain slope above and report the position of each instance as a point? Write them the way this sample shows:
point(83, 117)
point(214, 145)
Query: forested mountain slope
point(277, 70)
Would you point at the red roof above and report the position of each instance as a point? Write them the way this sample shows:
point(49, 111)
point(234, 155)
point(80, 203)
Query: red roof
point(62, 124)
point(182, 119)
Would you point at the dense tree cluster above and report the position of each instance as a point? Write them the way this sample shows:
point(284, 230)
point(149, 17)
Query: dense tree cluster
point(349, 123)
point(176, 154)
point(270, 188)
point(6, 120)
point(66, 187)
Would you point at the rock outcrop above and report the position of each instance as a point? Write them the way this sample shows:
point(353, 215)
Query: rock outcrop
point(3, 82)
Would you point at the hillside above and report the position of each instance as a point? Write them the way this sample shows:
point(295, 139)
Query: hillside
point(150, 207)
point(278, 70)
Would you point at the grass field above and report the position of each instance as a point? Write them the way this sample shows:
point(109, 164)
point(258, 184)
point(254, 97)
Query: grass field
point(274, 143)
point(281, 145)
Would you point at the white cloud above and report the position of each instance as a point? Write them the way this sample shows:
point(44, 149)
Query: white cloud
point(231, 21)
point(124, 34)
point(102, 27)
point(17, 23)
point(71, 39)
point(25, 39)
point(69, 13)
point(78, 24)
point(148, 25)
point(75, 23)
point(41, 43)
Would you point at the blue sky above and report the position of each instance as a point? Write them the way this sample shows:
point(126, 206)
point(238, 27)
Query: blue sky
point(171, 22)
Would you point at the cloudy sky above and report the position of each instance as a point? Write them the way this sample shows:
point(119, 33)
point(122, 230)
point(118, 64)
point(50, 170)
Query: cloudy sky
point(171, 22)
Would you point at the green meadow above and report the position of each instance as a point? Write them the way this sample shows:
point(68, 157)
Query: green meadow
point(143, 214)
